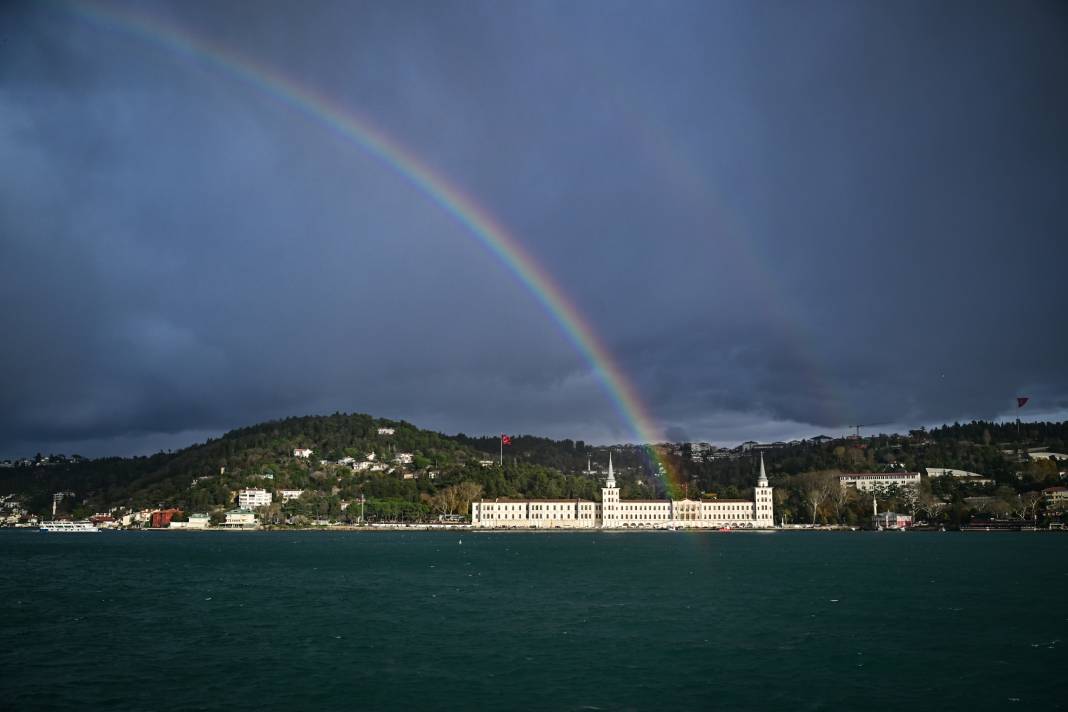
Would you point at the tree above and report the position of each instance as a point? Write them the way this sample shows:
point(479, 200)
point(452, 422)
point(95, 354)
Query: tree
point(456, 499)
point(841, 497)
point(1029, 501)
point(816, 487)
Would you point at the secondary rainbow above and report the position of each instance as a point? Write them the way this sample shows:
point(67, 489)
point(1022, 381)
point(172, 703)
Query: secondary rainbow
point(478, 222)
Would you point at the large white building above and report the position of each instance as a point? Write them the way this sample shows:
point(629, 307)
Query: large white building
point(613, 513)
point(254, 497)
point(876, 481)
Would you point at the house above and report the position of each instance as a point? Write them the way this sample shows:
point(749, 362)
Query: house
point(487, 463)
point(346, 461)
point(385, 431)
point(302, 452)
point(288, 494)
point(821, 439)
point(254, 497)
point(361, 466)
point(162, 518)
point(403, 458)
point(239, 519)
point(1055, 497)
point(196, 521)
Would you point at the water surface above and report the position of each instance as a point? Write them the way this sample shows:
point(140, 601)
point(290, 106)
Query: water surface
point(804, 621)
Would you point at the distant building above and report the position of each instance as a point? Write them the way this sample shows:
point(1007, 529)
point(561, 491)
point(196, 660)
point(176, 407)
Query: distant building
point(821, 439)
point(487, 463)
point(302, 452)
point(254, 497)
point(196, 521)
point(1055, 497)
point(613, 513)
point(385, 431)
point(403, 458)
point(162, 518)
point(892, 520)
point(874, 481)
point(240, 519)
point(1046, 455)
point(346, 461)
point(288, 494)
point(965, 477)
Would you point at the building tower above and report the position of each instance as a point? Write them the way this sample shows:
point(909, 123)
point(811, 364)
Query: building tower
point(610, 499)
point(763, 514)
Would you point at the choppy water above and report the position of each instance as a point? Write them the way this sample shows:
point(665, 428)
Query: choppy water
point(800, 621)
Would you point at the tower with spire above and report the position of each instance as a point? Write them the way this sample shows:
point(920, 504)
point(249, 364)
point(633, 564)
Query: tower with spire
point(763, 505)
point(610, 499)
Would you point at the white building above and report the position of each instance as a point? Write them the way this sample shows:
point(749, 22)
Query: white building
point(196, 521)
point(613, 513)
point(302, 452)
point(288, 494)
point(254, 497)
point(972, 478)
point(875, 481)
point(892, 520)
point(385, 431)
point(240, 519)
point(403, 458)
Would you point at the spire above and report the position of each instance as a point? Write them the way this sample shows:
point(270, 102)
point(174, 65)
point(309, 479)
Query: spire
point(763, 481)
point(611, 481)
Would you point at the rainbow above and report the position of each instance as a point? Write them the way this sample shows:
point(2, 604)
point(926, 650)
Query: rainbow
point(476, 220)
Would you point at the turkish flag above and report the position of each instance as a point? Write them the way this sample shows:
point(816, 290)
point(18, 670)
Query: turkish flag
point(1021, 401)
point(505, 440)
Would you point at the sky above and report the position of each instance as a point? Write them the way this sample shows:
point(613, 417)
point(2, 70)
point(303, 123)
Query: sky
point(780, 219)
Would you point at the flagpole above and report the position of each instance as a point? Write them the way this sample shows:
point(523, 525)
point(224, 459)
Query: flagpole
point(502, 451)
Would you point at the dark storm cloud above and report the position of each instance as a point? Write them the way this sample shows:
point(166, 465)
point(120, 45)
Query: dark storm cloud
point(779, 219)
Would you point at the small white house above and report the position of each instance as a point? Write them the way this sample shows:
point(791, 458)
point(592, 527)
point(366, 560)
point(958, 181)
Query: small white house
point(302, 452)
point(346, 461)
point(288, 494)
point(385, 431)
point(403, 458)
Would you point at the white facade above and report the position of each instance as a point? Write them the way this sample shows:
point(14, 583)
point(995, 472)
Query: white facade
point(385, 431)
point(302, 452)
point(252, 498)
point(288, 494)
point(240, 519)
point(874, 481)
point(403, 458)
point(613, 513)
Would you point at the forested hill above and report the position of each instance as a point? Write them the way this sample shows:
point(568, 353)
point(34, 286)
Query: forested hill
point(355, 455)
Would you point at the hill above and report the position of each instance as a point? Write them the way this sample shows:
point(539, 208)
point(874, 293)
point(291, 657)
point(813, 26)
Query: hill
point(403, 472)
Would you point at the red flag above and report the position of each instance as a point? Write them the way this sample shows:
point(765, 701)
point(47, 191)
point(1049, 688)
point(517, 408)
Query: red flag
point(505, 440)
point(1021, 401)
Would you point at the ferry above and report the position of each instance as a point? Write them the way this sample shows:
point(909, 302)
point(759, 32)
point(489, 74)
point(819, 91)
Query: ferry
point(68, 527)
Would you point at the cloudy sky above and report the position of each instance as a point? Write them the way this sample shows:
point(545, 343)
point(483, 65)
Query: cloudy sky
point(780, 218)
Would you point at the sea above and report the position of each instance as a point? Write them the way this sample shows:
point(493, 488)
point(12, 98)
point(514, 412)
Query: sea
point(533, 621)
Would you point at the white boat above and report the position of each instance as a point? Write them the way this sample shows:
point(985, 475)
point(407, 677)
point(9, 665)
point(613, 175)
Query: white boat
point(68, 527)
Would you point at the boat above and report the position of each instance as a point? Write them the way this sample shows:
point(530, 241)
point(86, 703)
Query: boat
point(68, 527)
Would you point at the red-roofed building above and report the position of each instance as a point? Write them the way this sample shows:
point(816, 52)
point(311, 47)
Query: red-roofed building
point(161, 519)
